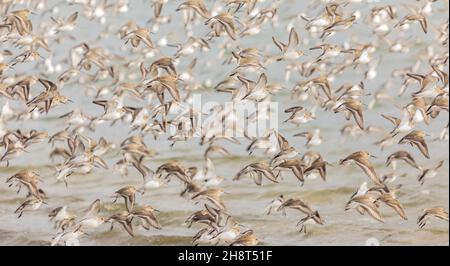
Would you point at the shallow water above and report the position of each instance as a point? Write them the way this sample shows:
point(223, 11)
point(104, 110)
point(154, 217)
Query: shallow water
point(245, 201)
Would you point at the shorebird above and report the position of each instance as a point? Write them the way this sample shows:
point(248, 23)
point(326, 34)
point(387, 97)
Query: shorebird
point(299, 115)
point(212, 195)
point(128, 193)
point(62, 218)
point(209, 216)
point(391, 177)
point(263, 142)
point(418, 17)
point(361, 158)
point(163, 63)
point(429, 84)
point(190, 46)
point(274, 205)
point(158, 6)
point(238, 4)
point(257, 171)
point(365, 204)
point(381, 13)
point(436, 212)
point(439, 103)
point(259, 18)
point(405, 124)
point(162, 83)
point(317, 166)
point(401, 155)
point(361, 55)
point(367, 200)
point(214, 148)
point(58, 214)
point(353, 107)
point(147, 216)
point(91, 218)
point(48, 98)
point(124, 218)
point(173, 168)
point(330, 14)
point(310, 156)
point(69, 238)
point(246, 238)
point(351, 131)
point(258, 91)
point(289, 51)
point(298, 204)
point(68, 24)
point(190, 185)
point(328, 51)
point(390, 200)
point(196, 6)
point(312, 138)
point(138, 35)
point(429, 173)
point(416, 138)
point(295, 165)
point(248, 60)
point(322, 82)
point(206, 236)
point(286, 151)
point(31, 204)
point(338, 25)
point(18, 20)
point(229, 233)
point(152, 183)
point(222, 22)
point(28, 178)
point(208, 175)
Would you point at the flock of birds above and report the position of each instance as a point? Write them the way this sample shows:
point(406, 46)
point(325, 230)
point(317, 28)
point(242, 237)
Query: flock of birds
point(161, 87)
